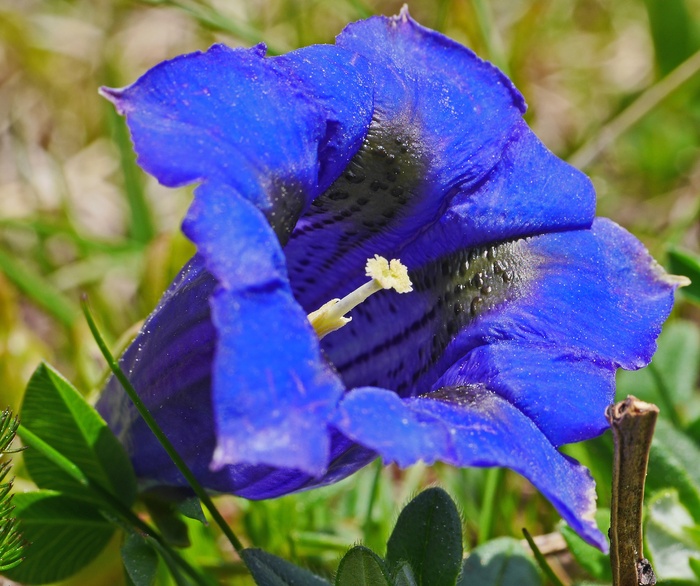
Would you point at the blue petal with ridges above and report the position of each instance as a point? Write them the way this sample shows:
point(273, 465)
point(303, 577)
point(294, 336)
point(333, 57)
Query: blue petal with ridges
point(463, 107)
point(564, 393)
point(169, 364)
point(264, 135)
point(272, 392)
point(256, 124)
point(596, 293)
point(471, 426)
point(530, 191)
point(343, 84)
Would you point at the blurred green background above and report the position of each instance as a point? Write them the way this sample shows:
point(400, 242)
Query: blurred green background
point(612, 86)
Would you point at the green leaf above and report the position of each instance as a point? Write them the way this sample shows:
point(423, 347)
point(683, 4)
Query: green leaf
point(166, 507)
point(591, 559)
point(56, 413)
point(681, 262)
point(140, 560)
point(404, 576)
point(428, 535)
point(672, 32)
point(165, 515)
point(673, 461)
point(499, 562)
point(64, 535)
point(192, 509)
point(669, 545)
point(694, 564)
point(269, 570)
point(362, 567)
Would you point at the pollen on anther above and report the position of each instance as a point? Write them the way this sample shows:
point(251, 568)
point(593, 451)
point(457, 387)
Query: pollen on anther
point(389, 275)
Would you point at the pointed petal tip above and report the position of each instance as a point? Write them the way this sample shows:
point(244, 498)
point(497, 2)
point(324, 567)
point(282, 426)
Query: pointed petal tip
point(110, 93)
point(114, 95)
point(260, 49)
point(593, 536)
point(403, 15)
point(677, 281)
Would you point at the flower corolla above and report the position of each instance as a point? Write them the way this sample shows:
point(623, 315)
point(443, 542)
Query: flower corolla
point(396, 141)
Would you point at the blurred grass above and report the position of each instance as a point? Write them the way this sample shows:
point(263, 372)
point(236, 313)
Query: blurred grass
point(77, 215)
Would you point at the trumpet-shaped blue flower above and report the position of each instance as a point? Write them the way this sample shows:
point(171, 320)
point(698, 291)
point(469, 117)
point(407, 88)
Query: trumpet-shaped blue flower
point(400, 142)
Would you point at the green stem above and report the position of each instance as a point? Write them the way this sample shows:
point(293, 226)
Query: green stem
point(124, 513)
point(646, 102)
point(158, 432)
point(492, 40)
point(541, 560)
point(141, 227)
point(372, 497)
point(493, 478)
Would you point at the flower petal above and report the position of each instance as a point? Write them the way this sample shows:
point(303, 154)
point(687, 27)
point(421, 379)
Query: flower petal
point(594, 292)
point(257, 132)
point(169, 364)
point(463, 107)
point(243, 383)
point(564, 393)
point(530, 191)
point(258, 125)
point(272, 392)
point(442, 118)
point(343, 84)
point(471, 426)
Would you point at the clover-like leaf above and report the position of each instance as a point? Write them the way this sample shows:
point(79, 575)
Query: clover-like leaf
point(64, 535)
point(140, 560)
point(56, 413)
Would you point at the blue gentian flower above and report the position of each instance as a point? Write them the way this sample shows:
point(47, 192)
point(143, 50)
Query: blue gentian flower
point(399, 142)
